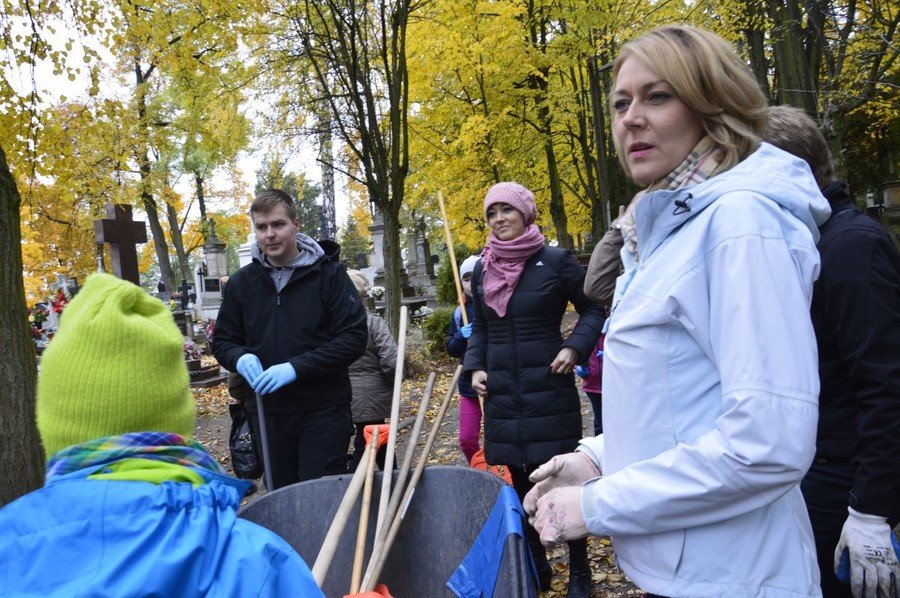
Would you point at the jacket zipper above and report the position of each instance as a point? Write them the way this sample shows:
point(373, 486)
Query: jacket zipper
point(517, 378)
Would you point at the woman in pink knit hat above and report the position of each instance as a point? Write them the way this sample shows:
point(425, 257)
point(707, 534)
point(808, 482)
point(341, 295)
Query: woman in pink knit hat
point(518, 359)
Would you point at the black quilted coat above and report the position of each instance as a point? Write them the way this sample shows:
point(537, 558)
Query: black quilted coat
point(530, 414)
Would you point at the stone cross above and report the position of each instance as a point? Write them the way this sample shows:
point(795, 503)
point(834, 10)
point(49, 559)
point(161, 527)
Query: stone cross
point(61, 283)
point(68, 285)
point(123, 234)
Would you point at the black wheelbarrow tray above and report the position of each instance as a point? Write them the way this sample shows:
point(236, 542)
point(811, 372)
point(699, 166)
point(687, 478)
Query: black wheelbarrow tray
point(447, 511)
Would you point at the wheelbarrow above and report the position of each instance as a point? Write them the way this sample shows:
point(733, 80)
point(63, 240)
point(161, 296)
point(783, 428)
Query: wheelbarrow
point(446, 514)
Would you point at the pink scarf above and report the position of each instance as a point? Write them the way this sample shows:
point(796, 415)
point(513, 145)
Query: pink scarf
point(503, 262)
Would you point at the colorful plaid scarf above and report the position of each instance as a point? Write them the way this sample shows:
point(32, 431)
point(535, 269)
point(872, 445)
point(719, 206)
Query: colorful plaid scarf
point(698, 165)
point(159, 446)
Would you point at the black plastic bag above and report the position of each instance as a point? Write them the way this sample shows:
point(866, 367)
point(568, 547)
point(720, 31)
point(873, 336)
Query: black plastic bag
point(245, 459)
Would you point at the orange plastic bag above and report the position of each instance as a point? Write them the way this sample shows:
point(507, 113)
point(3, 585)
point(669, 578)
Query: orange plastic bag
point(478, 462)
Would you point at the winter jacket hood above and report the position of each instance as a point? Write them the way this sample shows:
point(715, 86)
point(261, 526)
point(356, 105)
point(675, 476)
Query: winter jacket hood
point(770, 172)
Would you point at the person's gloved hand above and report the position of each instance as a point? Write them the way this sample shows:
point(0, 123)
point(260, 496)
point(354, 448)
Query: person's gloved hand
point(867, 555)
point(274, 378)
point(249, 367)
point(559, 516)
point(582, 371)
point(466, 331)
point(571, 469)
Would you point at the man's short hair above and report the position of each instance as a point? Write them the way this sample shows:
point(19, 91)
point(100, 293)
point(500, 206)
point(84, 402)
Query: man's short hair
point(793, 131)
point(266, 201)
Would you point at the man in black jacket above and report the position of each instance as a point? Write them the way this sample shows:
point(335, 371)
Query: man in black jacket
point(852, 490)
point(291, 323)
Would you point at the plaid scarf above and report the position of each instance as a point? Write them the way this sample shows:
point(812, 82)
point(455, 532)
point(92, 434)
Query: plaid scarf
point(160, 446)
point(698, 165)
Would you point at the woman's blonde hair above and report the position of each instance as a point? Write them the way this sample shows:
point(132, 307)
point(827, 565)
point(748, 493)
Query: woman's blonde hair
point(711, 79)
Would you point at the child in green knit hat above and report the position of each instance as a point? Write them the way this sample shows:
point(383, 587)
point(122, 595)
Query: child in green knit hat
point(115, 366)
point(132, 505)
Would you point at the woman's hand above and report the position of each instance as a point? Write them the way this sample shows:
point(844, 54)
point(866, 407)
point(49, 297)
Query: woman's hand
point(563, 363)
point(479, 382)
point(570, 469)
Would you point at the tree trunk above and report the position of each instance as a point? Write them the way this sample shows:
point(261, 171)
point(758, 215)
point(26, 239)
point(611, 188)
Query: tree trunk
point(792, 69)
point(834, 127)
point(201, 201)
point(600, 210)
point(159, 241)
point(147, 200)
point(326, 159)
point(21, 454)
point(392, 268)
point(557, 205)
point(178, 242)
point(757, 51)
point(585, 137)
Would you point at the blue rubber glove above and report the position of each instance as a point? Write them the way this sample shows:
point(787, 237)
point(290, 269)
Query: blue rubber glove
point(249, 367)
point(582, 371)
point(274, 378)
point(466, 331)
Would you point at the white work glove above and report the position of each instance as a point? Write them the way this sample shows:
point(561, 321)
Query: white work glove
point(869, 550)
point(559, 517)
point(571, 469)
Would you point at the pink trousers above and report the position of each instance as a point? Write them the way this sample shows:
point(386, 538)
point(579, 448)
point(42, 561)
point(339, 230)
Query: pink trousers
point(469, 425)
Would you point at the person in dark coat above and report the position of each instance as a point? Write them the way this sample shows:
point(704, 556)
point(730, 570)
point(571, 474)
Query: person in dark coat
point(518, 359)
point(852, 489)
point(291, 323)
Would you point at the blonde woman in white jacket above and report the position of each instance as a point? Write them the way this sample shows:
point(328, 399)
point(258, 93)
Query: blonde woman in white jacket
point(710, 378)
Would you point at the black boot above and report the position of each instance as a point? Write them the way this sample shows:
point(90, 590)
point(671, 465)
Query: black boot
point(579, 570)
point(544, 571)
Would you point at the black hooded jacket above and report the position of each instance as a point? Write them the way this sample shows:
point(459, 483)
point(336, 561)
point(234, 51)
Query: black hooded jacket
point(316, 322)
point(530, 413)
point(856, 316)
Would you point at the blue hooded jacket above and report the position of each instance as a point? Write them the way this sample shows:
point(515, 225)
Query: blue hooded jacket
point(80, 537)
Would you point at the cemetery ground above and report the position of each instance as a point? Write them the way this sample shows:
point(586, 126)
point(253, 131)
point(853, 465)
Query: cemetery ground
point(213, 425)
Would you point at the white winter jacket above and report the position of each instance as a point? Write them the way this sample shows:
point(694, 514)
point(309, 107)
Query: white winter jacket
point(710, 387)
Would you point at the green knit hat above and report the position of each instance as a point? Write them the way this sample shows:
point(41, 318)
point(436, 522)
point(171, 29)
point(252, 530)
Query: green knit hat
point(116, 365)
